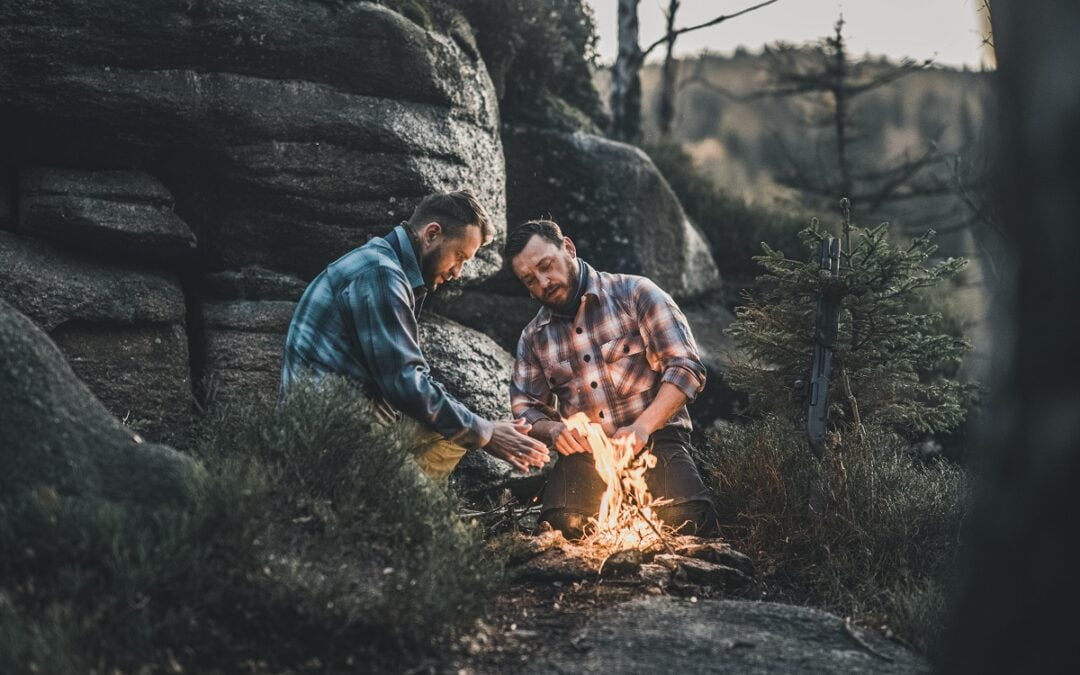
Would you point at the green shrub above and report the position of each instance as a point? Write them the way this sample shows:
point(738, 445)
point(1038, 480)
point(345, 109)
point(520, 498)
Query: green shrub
point(315, 539)
point(540, 54)
point(735, 231)
point(879, 544)
point(892, 364)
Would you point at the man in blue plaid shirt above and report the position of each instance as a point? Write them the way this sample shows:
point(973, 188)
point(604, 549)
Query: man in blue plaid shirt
point(357, 320)
point(617, 348)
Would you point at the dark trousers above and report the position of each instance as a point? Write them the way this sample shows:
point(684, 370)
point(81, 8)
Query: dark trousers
point(574, 489)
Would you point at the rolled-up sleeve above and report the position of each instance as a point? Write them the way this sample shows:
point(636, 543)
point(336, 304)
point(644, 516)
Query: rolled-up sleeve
point(530, 396)
point(387, 335)
point(670, 338)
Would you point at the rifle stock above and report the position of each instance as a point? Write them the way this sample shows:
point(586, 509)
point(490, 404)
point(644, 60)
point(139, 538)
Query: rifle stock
point(825, 331)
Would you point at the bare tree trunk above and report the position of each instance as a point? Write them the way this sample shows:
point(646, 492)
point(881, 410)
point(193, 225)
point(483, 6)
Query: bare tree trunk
point(1017, 608)
point(625, 79)
point(840, 96)
point(670, 74)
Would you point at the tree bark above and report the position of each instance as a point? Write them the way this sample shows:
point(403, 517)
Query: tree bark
point(625, 77)
point(1016, 607)
point(669, 74)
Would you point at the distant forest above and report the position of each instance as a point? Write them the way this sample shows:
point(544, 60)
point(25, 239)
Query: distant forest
point(747, 141)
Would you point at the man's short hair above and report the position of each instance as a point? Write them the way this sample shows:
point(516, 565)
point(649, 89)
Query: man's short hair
point(519, 238)
point(454, 211)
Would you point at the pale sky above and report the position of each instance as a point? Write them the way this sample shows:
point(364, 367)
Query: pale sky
point(947, 30)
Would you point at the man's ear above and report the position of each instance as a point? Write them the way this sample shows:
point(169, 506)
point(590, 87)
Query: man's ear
point(429, 233)
point(569, 247)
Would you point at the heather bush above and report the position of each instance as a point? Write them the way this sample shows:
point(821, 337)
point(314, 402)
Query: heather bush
point(870, 533)
point(315, 542)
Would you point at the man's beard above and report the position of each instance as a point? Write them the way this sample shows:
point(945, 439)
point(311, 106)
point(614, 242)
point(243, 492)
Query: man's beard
point(572, 277)
point(427, 267)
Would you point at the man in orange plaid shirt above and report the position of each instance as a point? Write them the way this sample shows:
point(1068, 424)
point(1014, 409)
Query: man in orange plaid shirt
point(617, 348)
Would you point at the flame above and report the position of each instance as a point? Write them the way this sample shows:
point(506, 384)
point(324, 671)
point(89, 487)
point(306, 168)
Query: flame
point(626, 518)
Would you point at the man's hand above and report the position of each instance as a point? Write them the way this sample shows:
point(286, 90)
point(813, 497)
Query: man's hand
point(570, 441)
point(564, 440)
point(510, 442)
point(634, 432)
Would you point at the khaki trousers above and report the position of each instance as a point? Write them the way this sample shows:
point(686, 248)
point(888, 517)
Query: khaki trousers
point(436, 455)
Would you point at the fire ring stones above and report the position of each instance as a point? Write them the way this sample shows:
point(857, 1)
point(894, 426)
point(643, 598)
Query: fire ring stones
point(697, 562)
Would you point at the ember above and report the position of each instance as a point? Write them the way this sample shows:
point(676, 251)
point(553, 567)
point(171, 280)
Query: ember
point(626, 518)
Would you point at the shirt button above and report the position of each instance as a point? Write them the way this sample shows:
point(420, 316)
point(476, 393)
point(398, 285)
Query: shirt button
point(593, 385)
point(586, 357)
point(578, 330)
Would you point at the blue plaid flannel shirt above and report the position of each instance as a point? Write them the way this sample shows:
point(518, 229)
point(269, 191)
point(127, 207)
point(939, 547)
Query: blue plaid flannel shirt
point(358, 319)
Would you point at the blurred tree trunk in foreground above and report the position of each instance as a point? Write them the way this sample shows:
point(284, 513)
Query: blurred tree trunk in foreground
point(1017, 607)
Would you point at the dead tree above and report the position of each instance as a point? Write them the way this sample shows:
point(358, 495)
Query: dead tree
point(625, 74)
point(827, 77)
point(1015, 610)
point(668, 74)
point(625, 79)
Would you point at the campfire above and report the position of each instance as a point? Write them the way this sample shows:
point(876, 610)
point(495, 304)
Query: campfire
point(626, 519)
point(628, 544)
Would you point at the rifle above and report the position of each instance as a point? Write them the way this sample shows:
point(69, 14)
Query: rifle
point(826, 324)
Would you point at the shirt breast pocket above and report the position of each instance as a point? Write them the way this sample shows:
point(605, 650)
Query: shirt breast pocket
point(627, 364)
point(560, 378)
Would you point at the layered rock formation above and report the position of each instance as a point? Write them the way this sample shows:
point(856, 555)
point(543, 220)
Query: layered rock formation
point(56, 438)
point(207, 158)
point(122, 328)
point(612, 201)
point(289, 132)
point(114, 213)
point(195, 164)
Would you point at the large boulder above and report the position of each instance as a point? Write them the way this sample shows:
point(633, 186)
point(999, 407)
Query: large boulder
point(55, 436)
point(244, 343)
point(476, 370)
point(289, 131)
point(253, 283)
point(469, 364)
point(498, 316)
point(123, 329)
point(115, 213)
point(612, 201)
point(718, 401)
point(664, 634)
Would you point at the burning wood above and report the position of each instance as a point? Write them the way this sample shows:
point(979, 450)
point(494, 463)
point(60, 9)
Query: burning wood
point(626, 518)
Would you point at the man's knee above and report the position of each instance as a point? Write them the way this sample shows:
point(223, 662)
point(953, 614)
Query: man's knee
point(571, 523)
point(437, 456)
point(696, 517)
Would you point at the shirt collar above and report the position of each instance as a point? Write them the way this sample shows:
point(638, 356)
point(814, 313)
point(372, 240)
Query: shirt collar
point(593, 287)
point(407, 255)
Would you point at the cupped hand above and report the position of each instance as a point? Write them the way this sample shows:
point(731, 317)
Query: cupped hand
point(510, 442)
